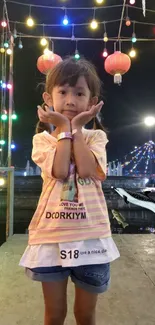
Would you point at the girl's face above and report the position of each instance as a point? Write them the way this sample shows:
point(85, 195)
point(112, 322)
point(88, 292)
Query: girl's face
point(71, 101)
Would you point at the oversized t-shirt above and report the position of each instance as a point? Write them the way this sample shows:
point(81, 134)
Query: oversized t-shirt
point(73, 209)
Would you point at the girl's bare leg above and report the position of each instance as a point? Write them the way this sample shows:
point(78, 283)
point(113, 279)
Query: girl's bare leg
point(84, 307)
point(55, 298)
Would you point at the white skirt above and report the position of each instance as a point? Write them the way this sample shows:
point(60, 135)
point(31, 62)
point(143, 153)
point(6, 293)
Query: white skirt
point(94, 251)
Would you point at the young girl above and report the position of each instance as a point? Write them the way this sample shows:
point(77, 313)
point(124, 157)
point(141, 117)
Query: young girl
point(69, 234)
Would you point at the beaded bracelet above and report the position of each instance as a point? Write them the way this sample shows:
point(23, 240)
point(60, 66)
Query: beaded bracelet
point(64, 135)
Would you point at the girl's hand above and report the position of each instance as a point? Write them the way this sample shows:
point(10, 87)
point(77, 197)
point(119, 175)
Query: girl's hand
point(51, 117)
point(83, 118)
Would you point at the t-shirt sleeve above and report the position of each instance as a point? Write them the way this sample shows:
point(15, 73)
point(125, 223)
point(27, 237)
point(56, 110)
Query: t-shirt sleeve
point(43, 153)
point(97, 145)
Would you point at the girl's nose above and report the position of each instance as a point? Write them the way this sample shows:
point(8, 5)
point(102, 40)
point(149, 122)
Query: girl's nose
point(70, 99)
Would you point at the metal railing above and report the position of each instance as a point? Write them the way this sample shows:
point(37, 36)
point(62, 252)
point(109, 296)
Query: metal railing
point(7, 173)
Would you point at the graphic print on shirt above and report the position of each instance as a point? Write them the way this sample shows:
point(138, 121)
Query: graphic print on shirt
point(69, 189)
point(69, 206)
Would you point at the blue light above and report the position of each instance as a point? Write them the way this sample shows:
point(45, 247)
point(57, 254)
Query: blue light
point(3, 85)
point(65, 20)
point(13, 146)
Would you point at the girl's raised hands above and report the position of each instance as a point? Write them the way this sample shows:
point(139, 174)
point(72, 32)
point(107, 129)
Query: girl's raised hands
point(52, 117)
point(83, 118)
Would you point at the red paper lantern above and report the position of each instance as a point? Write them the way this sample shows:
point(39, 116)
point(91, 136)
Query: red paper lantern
point(48, 61)
point(117, 64)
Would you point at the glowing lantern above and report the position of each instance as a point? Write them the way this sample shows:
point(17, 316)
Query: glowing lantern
point(117, 64)
point(48, 61)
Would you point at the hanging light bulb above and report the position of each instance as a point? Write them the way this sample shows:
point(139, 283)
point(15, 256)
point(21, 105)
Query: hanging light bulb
point(43, 41)
point(4, 23)
point(128, 21)
point(9, 51)
point(15, 33)
point(3, 85)
point(30, 22)
point(20, 44)
point(94, 24)
point(2, 142)
point(2, 180)
point(65, 20)
point(14, 116)
point(134, 39)
point(105, 53)
point(99, 1)
point(73, 36)
point(6, 44)
point(2, 49)
point(13, 146)
point(9, 86)
point(77, 55)
point(132, 2)
point(105, 37)
point(4, 116)
point(46, 51)
point(132, 53)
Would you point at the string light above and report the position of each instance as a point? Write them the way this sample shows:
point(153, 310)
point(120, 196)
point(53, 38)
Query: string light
point(2, 50)
point(105, 53)
point(105, 37)
point(3, 85)
point(46, 51)
point(15, 33)
point(43, 41)
point(14, 116)
point(9, 51)
point(77, 55)
point(140, 158)
point(65, 20)
point(4, 23)
point(99, 1)
point(132, 2)
point(13, 146)
point(134, 39)
point(94, 23)
point(9, 86)
point(132, 53)
point(4, 116)
point(20, 44)
point(2, 142)
point(128, 21)
point(2, 181)
point(6, 44)
point(30, 22)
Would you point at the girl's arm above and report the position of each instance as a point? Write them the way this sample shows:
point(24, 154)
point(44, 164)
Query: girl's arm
point(85, 160)
point(62, 156)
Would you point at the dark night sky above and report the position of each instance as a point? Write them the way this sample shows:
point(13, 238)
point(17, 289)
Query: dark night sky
point(125, 105)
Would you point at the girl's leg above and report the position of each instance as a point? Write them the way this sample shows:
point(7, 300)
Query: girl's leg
point(55, 298)
point(84, 307)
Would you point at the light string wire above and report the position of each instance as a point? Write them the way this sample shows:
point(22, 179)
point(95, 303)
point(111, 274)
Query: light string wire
point(75, 8)
point(63, 7)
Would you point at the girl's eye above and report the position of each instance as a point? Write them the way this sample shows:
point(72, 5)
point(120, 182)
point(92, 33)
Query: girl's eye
point(80, 94)
point(62, 92)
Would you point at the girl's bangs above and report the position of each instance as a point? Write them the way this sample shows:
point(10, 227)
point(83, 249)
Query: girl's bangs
point(68, 74)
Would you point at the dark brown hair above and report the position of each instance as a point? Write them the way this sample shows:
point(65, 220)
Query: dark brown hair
point(67, 72)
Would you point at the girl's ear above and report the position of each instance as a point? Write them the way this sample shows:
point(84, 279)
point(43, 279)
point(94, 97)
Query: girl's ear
point(93, 101)
point(47, 99)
